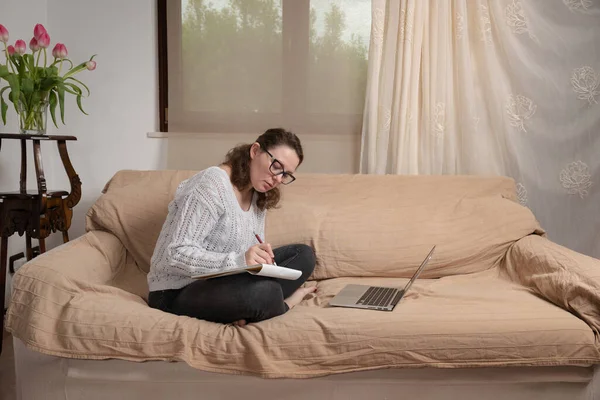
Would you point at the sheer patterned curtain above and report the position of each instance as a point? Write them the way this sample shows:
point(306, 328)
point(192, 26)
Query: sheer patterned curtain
point(501, 87)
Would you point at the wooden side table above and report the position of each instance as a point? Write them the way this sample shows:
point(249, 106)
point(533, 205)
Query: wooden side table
point(38, 212)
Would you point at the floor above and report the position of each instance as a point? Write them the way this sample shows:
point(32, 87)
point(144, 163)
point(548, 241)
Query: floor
point(7, 369)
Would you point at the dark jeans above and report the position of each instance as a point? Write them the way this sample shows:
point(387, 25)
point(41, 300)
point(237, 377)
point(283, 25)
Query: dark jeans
point(242, 296)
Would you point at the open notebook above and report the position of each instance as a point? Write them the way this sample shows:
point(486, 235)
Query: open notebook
point(269, 270)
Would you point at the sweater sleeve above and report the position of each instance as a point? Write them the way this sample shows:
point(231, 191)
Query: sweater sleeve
point(197, 214)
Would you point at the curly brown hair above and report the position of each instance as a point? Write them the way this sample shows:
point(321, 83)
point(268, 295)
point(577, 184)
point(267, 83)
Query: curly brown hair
point(238, 159)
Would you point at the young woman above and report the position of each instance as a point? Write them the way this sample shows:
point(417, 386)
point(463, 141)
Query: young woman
point(212, 226)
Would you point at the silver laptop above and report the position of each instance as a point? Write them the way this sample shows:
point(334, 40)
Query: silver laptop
point(375, 297)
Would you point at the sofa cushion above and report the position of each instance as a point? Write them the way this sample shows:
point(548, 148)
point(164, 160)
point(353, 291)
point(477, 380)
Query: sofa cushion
point(133, 207)
point(475, 320)
point(365, 225)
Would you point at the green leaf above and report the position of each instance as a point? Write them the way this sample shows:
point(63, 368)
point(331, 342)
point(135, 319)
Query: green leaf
point(15, 89)
point(78, 93)
point(3, 105)
point(29, 60)
point(52, 71)
point(78, 68)
point(61, 101)
point(13, 81)
point(26, 85)
point(4, 71)
point(4, 108)
point(81, 83)
point(50, 82)
point(53, 102)
point(79, 105)
point(70, 88)
point(35, 98)
point(75, 70)
point(20, 63)
point(73, 86)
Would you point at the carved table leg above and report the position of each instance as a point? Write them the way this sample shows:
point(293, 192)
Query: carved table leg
point(75, 192)
point(28, 249)
point(3, 260)
point(40, 177)
point(23, 179)
point(74, 196)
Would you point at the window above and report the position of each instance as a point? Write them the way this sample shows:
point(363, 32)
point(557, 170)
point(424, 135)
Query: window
point(247, 65)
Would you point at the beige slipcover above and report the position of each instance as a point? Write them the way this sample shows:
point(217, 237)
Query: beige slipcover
point(497, 292)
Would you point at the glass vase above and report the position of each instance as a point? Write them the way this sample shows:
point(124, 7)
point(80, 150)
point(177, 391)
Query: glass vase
point(33, 117)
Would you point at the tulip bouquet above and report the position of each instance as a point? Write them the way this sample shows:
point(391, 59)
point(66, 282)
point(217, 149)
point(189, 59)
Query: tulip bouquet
point(36, 83)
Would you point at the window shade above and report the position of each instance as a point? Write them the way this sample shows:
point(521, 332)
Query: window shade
point(248, 65)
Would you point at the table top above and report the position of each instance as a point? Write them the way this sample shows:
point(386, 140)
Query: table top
point(33, 193)
point(35, 137)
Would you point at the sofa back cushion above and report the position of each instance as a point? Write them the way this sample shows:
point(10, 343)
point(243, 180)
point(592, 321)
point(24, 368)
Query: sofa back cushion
point(368, 225)
point(133, 207)
point(359, 225)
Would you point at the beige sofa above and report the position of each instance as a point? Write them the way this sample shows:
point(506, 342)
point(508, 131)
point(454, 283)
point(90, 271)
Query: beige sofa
point(500, 311)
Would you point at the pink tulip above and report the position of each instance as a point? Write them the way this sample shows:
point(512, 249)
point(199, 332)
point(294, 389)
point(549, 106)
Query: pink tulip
point(90, 65)
point(60, 51)
point(20, 46)
point(10, 50)
point(33, 45)
point(63, 51)
point(38, 31)
point(44, 40)
point(3, 34)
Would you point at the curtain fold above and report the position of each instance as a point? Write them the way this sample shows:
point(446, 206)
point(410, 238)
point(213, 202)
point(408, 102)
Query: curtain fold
point(498, 87)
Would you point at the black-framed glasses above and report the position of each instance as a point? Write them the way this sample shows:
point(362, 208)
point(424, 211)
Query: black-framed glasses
point(276, 168)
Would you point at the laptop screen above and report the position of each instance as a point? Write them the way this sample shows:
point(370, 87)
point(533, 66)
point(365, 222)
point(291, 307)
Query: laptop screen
point(416, 275)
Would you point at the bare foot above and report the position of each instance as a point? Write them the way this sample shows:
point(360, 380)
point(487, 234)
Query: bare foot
point(299, 295)
point(241, 322)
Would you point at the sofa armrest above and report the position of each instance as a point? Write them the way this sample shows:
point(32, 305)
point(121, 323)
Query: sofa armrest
point(52, 293)
point(97, 258)
point(93, 258)
point(568, 279)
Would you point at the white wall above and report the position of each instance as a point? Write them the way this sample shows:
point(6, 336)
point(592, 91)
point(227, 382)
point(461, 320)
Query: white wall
point(123, 105)
point(124, 101)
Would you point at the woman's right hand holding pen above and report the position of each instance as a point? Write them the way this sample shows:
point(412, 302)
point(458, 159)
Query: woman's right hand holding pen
point(260, 254)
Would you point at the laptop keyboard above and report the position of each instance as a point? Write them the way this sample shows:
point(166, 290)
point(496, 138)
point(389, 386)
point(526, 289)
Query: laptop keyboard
point(378, 296)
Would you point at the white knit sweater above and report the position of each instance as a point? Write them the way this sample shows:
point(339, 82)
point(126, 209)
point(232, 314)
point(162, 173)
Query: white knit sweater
point(206, 230)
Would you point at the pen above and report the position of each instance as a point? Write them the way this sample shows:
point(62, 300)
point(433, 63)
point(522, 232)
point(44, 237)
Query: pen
point(260, 241)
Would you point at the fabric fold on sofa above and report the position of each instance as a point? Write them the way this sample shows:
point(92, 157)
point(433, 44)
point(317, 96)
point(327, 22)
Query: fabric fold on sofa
point(569, 279)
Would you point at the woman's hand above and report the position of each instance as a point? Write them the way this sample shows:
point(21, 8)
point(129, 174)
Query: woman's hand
point(260, 254)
